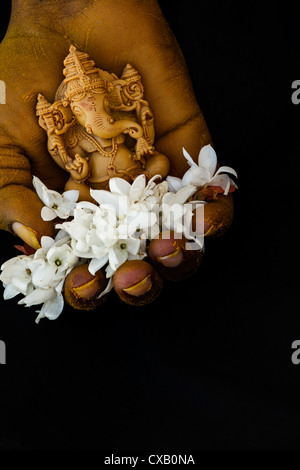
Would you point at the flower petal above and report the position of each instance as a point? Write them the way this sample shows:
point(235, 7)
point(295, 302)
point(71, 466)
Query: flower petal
point(71, 195)
point(119, 186)
point(21, 284)
point(174, 183)
point(223, 181)
point(208, 159)
point(10, 292)
point(158, 192)
point(117, 256)
point(109, 271)
point(107, 289)
point(184, 194)
point(12, 261)
point(53, 307)
point(137, 188)
point(65, 209)
point(82, 246)
point(105, 197)
point(40, 189)
point(38, 296)
point(40, 316)
point(187, 177)
point(48, 214)
point(98, 251)
point(96, 264)
point(133, 245)
point(62, 241)
point(87, 205)
point(189, 158)
point(75, 229)
point(226, 169)
point(43, 276)
point(46, 243)
point(197, 176)
point(59, 287)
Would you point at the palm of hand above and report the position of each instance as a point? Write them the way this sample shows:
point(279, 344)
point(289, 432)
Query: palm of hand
point(31, 58)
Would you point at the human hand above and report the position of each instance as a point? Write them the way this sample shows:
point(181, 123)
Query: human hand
point(31, 57)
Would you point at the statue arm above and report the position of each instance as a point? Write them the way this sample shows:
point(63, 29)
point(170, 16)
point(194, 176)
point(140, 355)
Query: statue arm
point(57, 150)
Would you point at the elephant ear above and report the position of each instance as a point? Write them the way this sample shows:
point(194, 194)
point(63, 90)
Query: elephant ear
point(54, 117)
point(127, 95)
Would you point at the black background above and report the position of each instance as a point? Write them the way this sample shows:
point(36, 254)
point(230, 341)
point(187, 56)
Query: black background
point(207, 365)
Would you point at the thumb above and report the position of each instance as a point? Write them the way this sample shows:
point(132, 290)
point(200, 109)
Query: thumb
point(20, 207)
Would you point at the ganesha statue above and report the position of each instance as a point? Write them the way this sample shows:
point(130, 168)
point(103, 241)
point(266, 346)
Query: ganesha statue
point(100, 126)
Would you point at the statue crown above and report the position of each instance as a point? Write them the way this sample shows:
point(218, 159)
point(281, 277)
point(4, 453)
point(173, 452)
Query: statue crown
point(81, 75)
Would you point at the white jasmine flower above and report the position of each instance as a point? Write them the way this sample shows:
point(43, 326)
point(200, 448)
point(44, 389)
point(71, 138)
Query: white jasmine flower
point(108, 233)
point(61, 258)
point(51, 308)
point(204, 174)
point(117, 229)
point(86, 233)
point(123, 250)
point(116, 254)
point(138, 191)
point(37, 296)
point(138, 220)
point(56, 205)
point(78, 229)
point(177, 214)
point(51, 298)
point(17, 275)
point(57, 263)
point(173, 209)
point(40, 277)
point(117, 211)
point(136, 205)
point(120, 252)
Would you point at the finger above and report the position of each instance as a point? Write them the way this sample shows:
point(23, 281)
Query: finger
point(20, 207)
point(77, 166)
point(172, 257)
point(82, 289)
point(69, 166)
point(137, 283)
point(21, 214)
point(216, 217)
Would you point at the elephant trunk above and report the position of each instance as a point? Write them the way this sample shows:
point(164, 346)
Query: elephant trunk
point(104, 126)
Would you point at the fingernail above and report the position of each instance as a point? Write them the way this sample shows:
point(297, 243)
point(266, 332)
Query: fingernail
point(82, 289)
point(173, 259)
point(88, 290)
point(27, 234)
point(140, 288)
point(137, 283)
